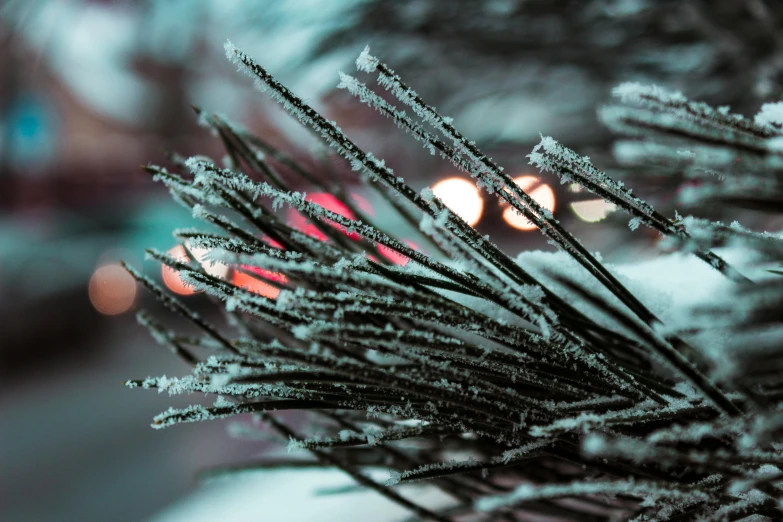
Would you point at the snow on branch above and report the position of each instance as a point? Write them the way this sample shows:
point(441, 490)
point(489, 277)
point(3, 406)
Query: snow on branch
point(516, 391)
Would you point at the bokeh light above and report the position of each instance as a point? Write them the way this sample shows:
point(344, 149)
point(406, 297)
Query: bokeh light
point(171, 277)
point(592, 210)
point(329, 202)
point(461, 197)
point(201, 255)
point(541, 194)
point(394, 256)
point(258, 285)
point(112, 289)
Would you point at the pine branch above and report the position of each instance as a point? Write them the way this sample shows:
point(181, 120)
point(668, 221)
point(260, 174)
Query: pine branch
point(517, 393)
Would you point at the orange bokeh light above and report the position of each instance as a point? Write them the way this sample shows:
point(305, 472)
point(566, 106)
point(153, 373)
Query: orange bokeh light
point(171, 277)
point(461, 197)
point(536, 189)
point(112, 289)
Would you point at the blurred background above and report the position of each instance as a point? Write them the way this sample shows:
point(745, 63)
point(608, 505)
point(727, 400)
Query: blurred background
point(91, 90)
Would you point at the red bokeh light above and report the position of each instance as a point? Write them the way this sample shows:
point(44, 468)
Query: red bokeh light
point(396, 257)
point(258, 285)
point(329, 202)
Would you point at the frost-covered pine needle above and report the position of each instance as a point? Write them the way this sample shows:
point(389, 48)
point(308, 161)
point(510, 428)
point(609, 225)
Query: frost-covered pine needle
point(518, 393)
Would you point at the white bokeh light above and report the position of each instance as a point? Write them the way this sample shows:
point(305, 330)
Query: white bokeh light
point(592, 210)
point(462, 197)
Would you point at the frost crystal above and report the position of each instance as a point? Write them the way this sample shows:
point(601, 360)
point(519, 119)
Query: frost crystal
point(366, 62)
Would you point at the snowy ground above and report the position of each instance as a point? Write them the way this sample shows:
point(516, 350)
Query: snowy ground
point(293, 496)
